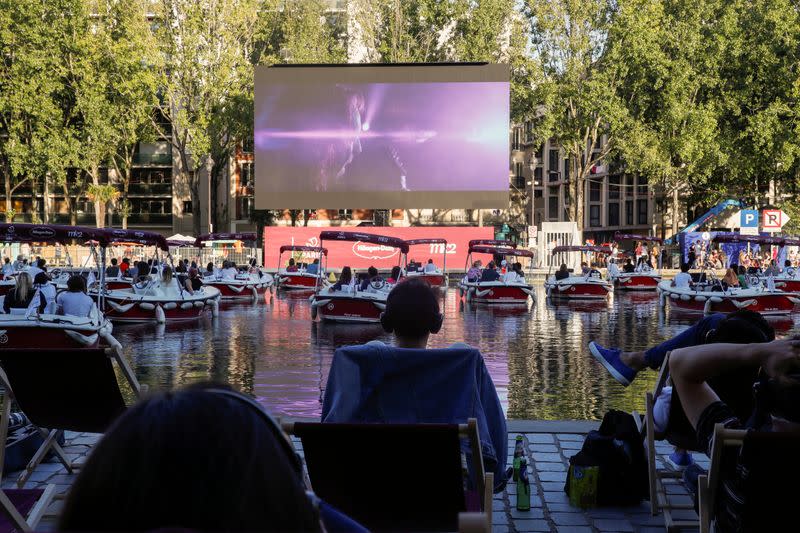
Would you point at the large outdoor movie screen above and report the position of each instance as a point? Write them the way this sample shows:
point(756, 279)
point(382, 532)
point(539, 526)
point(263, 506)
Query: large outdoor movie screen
point(339, 137)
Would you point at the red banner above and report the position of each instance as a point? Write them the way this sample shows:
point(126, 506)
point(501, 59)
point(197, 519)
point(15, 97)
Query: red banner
point(362, 255)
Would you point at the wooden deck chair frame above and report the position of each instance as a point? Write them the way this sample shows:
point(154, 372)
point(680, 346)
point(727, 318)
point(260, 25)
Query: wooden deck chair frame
point(709, 483)
point(51, 436)
point(469, 522)
point(659, 501)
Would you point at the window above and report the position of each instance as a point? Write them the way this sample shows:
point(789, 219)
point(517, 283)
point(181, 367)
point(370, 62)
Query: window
point(187, 207)
point(553, 161)
point(537, 193)
point(613, 187)
point(595, 188)
point(537, 175)
point(641, 207)
point(642, 188)
point(629, 212)
point(552, 207)
point(345, 214)
point(594, 215)
point(516, 136)
point(613, 214)
point(518, 169)
point(628, 185)
point(246, 175)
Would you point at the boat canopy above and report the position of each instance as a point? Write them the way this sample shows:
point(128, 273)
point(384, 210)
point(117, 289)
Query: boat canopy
point(791, 241)
point(492, 242)
point(241, 236)
point(632, 237)
point(51, 233)
point(755, 239)
point(299, 248)
point(414, 242)
point(478, 249)
point(355, 236)
point(582, 248)
point(135, 236)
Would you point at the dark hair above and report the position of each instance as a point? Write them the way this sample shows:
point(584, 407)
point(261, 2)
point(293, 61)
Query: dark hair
point(372, 272)
point(518, 267)
point(41, 263)
point(76, 283)
point(430, 260)
point(291, 261)
point(742, 327)
point(237, 462)
point(40, 279)
point(684, 267)
point(563, 266)
point(344, 278)
point(113, 260)
point(126, 260)
point(210, 267)
point(395, 273)
point(740, 269)
point(491, 265)
point(787, 263)
point(412, 310)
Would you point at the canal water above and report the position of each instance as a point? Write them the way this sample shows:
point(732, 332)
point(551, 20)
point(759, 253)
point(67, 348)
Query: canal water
point(537, 356)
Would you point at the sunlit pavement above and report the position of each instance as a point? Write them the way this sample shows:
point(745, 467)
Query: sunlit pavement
point(550, 444)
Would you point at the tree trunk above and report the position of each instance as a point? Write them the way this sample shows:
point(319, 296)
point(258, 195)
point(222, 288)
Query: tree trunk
point(71, 201)
point(675, 202)
point(7, 180)
point(48, 200)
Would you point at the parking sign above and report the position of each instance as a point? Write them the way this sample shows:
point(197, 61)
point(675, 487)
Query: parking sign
point(774, 219)
point(748, 218)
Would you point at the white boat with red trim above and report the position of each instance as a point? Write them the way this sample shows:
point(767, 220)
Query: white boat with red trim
point(351, 303)
point(643, 278)
point(589, 286)
point(508, 289)
point(301, 279)
point(246, 285)
point(434, 276)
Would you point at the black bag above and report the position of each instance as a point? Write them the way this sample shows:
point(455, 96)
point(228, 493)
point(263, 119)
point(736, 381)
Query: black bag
point(618, 452)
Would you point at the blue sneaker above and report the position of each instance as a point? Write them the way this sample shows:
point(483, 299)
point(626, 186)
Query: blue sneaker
point(680, 460)
point(609, 357)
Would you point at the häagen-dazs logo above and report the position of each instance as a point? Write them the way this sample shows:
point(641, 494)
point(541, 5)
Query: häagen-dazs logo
point(10, 229)
point(43, 232)
point(120, 233)
point(139, 234)
point(366, 250)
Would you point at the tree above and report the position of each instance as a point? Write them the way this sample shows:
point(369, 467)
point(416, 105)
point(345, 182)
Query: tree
point(582, 111)
point(204, 62)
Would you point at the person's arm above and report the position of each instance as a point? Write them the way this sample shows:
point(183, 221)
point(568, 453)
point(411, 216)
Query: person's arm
point(691, 367)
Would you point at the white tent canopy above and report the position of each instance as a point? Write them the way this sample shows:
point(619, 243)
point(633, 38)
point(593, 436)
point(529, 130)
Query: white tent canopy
point(179, 237)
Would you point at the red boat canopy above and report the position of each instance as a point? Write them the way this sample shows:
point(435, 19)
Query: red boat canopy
point(631, 237)
point(413, 242)
point(755, 239)
point(492, 242)
point(353, 236)
point(242, 236)
point(137, 237)
point(595, 249)
point(50, 233)
point(298, 248)
point(499, 250)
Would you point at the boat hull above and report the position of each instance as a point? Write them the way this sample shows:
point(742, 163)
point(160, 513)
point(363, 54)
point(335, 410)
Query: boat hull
point(348, 309)
point(788, 285)
point(239, 289)
point(578, 289)
point(496, 293)
point(126, 306)
point(434, 280)
point(297, 282)
point(636, 282)
point(766, 302)
point(47, 334)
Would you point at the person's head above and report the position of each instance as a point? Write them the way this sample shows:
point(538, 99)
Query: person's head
point(741, 270)
point(372, 272)
point(628, 261)
point(192, 273)
point(19, 257)
point(563, 267)
point(23, 285)
point(584, 264)
point(346, 276)
point(787, 263)
point(684, 267)
point(6, 260)
point(395, 273)
point(41, 279)
point(479, 262)
point(113, 261)
point(491, 265)
point(430, 261)
point(126, 260)
point(316, 261)
point(210, 267)
point(476, 264)
point(185, 261)
point(41, 263)
point(742, 327)
point(149, 262)
point(166, 275)
point(518, 268)
point(291, 261)
point(130, 476)
point(730, 273)
point(412, 313)
point(76, 283)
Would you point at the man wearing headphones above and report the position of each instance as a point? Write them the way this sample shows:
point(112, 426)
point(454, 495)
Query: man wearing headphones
point(624, 366)
point(409, 383)
point(777, 410)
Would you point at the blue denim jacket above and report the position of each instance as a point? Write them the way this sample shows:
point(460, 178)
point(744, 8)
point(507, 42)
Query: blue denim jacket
point(379, 383)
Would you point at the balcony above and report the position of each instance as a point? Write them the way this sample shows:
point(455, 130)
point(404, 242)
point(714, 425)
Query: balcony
point(150, 189)
point(153, 160)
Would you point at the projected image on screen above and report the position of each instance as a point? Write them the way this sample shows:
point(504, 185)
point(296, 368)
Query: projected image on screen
point(345, 144)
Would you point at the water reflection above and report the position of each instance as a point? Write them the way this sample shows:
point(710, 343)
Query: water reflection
point(536, 354)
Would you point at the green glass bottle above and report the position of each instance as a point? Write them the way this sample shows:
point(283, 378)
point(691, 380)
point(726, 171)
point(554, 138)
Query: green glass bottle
point(519, 453)
point(523, 487)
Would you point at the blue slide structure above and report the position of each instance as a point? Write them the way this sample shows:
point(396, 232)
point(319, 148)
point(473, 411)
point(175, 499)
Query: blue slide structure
point(705, 217)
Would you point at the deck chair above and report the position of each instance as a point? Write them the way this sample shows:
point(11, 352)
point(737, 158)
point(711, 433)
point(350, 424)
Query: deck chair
point(398, 477)
point(770, 460)
point(59, 390)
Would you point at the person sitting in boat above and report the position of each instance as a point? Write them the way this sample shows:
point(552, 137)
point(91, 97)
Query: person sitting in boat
point(628, 268)
point(112, 270)
point(730, 279)
point(741, 273)
point(292, 266)
point(345, 280)
point(194, 280)
point(395, 276)
point(229, 270)
point(74, 301)
point(412, 266)
point(371, 277)
point(39, 266)
point(682, 280)
point(562, 272)
point(313, 268)
point(474, 273)
point(132, 271)
point(209, 271)
point(490, 273)
point(8, 268)
point(515, 275)
point(503, 267)
point(21, 296)
point(42, 283)
point(585, 270)
point(412, 315)
point(771, 270)
point(170, 284)
point(430, 267)
point(124, 265)
point(19, 264)
point(613, 269)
